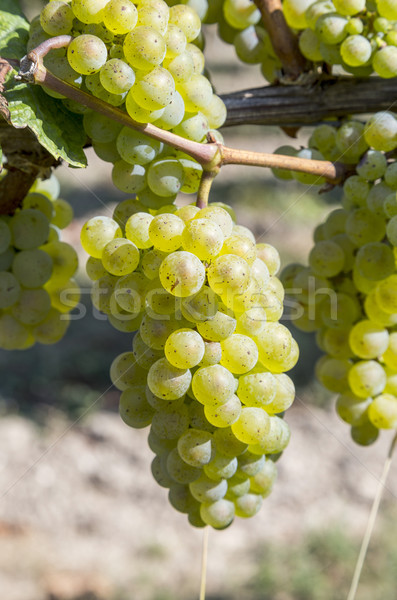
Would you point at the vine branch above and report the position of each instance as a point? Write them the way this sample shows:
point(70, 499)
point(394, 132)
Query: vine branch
point(284, 42)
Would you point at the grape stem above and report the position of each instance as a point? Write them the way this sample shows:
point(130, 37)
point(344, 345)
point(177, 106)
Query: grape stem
point(209, 155)
point(284, 42)
point(203, 193)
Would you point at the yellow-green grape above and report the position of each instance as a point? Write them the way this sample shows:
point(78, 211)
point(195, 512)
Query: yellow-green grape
point(182, 274)
point(382, 412)
point(116, 76)
point(64, 296)
point(32, 268)
point(175, 40)
point(386, 294)
point(192, 171)
point(144, 355)
point(10, 289)
point(365, 434)
point(224, 415)
point(251, 322)
point(276, 439)
point(262, 482)
point(172, 114)
point(170, 425)
point(136, 148)
point(196, 92)
point(390, 355)
point(197, 416)
point(218, 328)
point(217, 215)
point(31, 307)
point(184, 348)
point(98, 232)
point(144, 48)
point(120, 257)
point(160, 302)
point(229, 275)
point(203, 238)
point(63, 213)
point(165, 177)
point(128, 178)
point(154, 12)
point(333, 374)
point(219, 514)
point(363, 226)
point(56, 18)
point(257, 389)
point(155, 330)
point(352, 409)
point(240, 246)
point(165, 232)
point(134, 408)
point(160, 474)
point(51, 329)
point(87, 54)
point(102, 294)
point(220, 467)
point(381, 129)
point(376, 314)
point(367, 378)
point(64, 261)
point(336, 343)
point(212, 354)
point(179, 470)
point(166, 381)
point(275, 347)
point(363, 285)
point(205, 489)
point(125, 209)
point(248, 505)
point(269, 255)
point(142, 115)
point(375, 261)
point(29, 228)
point(89, 11)
point(195, 447)
point(215, 112)
point(164, 405)
point(151, 262)
point(227, 443)
point(40, 202)
point(13, 334)
point(187, 212)
point(213, 385)
point(384, 62)
point(284, 396)
point(239, 353)
point(154, 90)
point(201, 306)
point(120, 16)
point(137, 230)
point(123, 320)
point(130, 292)
point(252, 426)
point(326, 259)
point(240, 13)
point(186, 19)
point(368, 340)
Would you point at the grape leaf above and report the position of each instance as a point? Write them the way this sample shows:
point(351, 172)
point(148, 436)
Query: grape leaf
point(14, 30)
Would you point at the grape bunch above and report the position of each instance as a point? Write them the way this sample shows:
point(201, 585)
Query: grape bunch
point(37, 289)
point(358, 35)
point(348, 293)
point(141, 58)
point(208, 360)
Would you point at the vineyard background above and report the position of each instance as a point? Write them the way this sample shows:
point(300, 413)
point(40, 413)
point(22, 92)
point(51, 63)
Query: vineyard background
point(81, 517)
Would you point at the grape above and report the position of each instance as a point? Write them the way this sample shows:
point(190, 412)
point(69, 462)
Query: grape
point(116, 76)
point(224, 415)
point(350, 141)
point(6, 259)
point(391, 231)
point(139, 114)
point(239, 353)
point(355, 50)
point(382, 412)
point(219, 514)
point(381, 131)
point(201, 306)
point(32, 268)
point(168, 382)
point(187, 19)
point(52, 328)
point(154, 90)
point(196, 92)
point(195, 447)
point(172, 114)
point(205, 489)
point(213, 385)
point(217, 328)
point(120, 16)
point(120, 257)
point(240, 13)
point(362, 227)
point(386, 295)
point(220, 467)
point(372, 166)
point(375, 261)
point(331, 28)
point(367, 378)
point(130, 292)
point(175, 40)
point(89, 11)
point(203, 238)
point(385, 62)
point(64, 261)
point(252, 425)
point(29, 228)
point(137, 229)
point(170, 425)
point(179, 470)
point(368, 340)
point(184, 348)
point(87, 54)
point(182, 274)
point(10, 290)
point(144, 48)
point(128, 178)
point(326, 259)
point(165, 177)
point(136, 148)
point(257, 389)
point(56, 18)
point(96, 233)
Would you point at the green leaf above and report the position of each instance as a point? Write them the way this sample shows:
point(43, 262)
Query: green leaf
point(14, 30)
point(56, 128)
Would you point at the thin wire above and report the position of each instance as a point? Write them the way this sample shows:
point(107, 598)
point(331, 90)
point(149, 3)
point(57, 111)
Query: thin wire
point(371, 522)
point(204, 557)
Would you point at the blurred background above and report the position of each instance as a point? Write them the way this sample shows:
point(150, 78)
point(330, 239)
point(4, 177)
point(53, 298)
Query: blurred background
point(81, 517)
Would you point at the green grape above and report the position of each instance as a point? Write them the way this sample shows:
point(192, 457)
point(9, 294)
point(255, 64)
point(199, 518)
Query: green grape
point(251, 322)
point(367, 378)
point(237, 487)
point(116, 76)
point(170, 425)
point(252, 426)
point(137, 229)
point(257, 389)
point(336, 343)
point(276, 348)
point(350, 141)
point(134, 408)
point(263, 481)
point(205, 489)
point(227, 443)
point(32, 306)
point(87, 54)
point(333, 374)
point(163, 405)
point(248, 505)
point(384, 62)
point(243, 247)
point(249, 464)
point(159, 445)
point(269, 255)
point(144, 355)
point(125, 209)
point(180, 471)
point(220, 467)
point(375, 261)
point(181, 68)
point(368, 340)
point(29, 228)
point(155, 330)
point(198, 58)
point(309, 45)
point(213, 385)
point(197, 416)
point(89, 11)
point(10, 289)
point(175, 40)
point(219, 216)
point(192, 172)
point(63, 213)
point(239, 353)
point(284, 395)
point(193, 127)
point(195, 447)
point(251, 44)
point(365, 434)
point(165, 177)
point(276, 439)
point(52, 328)
point(372, 166)
point(391, 231)
point(352, 409)
point(356, 189)
point(13, 334)
point(386, 294)
point(387, 9)
point(224, 415)
point(168, 382)
point(56, 18)
point(181, 499)
point(182, 274)
point(212, 354)
point(165, 232)
point(240, 13)
point(151, 262)
point(355, 50)
point(96, 233)
point(349, 7)
point(376, 314)
point(128, 178)
point(100, 128)
point(154, 12)
point(137, 113)
point(32, 268)
point(160, 302)
point(203, 238)
point(160, 474)
point(390, 206)
point(219, 514)
point(144, 48)
point(6, 259)
point(184, 348)
point(172, 114)
point(377, 197)
point(64, 261)
point(326, 259)
point(381, 131)
point(391, 385)
point(94, 268)
point(217, 328)
point(120, 16)
point(120, 257)
point(123, 320)
point(102, 294)
point(196, 92)
point(390, 355)
point(294, 12)
point(228, 275)
point(187, 19)
point(382, 412)
point(339, 311)
point(130, 292)
point(201, 306)
point(36, 201)
point(331, 28)
point(136, 148)
point(363, 226)
point(154, 90)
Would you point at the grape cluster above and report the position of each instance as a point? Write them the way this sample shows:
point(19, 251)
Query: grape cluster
point(348, 293)
point(358, 35)
point(141, 58)
point(37, 289)
point(208, 360)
